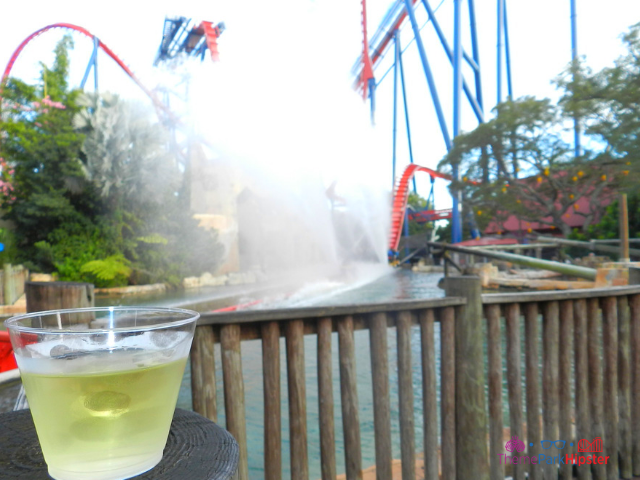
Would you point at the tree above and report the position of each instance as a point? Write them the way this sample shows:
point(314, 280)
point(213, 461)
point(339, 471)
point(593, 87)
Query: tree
point(126, 157)
point(41, 147)
point(545, 180)
point(608, 104)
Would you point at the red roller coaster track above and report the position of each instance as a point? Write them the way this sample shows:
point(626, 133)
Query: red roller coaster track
point(156, 102)
point(400, 198)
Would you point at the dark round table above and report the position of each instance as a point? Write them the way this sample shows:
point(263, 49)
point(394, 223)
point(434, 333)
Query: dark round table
point(197, 449)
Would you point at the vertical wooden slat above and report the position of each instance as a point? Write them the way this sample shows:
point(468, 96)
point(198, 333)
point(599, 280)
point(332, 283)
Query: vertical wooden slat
point(349, 397)
point(297, 400)
point(405, 394)
point(494, 349)
point(595, 379)
point(203, 373)
point(272, 415)
point(514, 378)
point(234, 393)
point(624, 388)
point(381, 401)
point(429, 401)
point(448, 391)
point(564, 374)
point(550, 380)
point(471, 413)
point(583, 421)
point(325, 397)
point(532, 366)
point(634, 305)
point(610, 386)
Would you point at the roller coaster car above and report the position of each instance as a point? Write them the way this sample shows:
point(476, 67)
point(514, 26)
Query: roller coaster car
point(178, 38)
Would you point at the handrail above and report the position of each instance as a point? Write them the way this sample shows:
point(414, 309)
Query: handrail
point(256, 316)
point(551, 296)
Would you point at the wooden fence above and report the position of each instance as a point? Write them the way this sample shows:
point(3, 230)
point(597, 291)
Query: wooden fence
point(585, 385)
point(12, 280)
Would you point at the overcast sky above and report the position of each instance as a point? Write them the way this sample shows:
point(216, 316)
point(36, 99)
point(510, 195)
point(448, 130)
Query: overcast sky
point(295, 55)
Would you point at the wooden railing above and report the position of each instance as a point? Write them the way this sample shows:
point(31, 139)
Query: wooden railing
point(590, 365)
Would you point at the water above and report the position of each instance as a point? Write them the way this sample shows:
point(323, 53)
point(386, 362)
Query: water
point(399, 285)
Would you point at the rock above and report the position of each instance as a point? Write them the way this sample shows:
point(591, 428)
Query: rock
point(42, 277)
point(191, 282)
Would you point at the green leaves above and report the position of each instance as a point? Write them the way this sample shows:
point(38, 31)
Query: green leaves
point(109, 268)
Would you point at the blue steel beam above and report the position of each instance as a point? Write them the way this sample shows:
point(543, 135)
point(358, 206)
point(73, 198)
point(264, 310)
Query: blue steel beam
point(477, 109)
point(406, 110)
point(456, 224)
point(96, 45)
point(476, 53)
point(574, 57)
point(395, 105)
point(428, 75)
point(92, 63)
point(499, 48)
point(507, 52)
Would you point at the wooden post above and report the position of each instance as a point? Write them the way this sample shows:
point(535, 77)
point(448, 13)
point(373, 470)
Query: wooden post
point(448, 391)
point(272, 411)
point(564, 375)
point(297, 400)
point(7, 285)
point(624, 228)
point(610, 385)
point(494, 349)
point(429, 401)
point(325, 398)
point(550, 379)
point(349, 397)
point(43, 296)
point(405, 394)
point(583, 422)
point(532, 366)
point(595, 378)
point(234, 393)
point(514, 377)
point(471, 414)
point(203, 373)
point(381, 402)
point(624, 388)
point(634, 305)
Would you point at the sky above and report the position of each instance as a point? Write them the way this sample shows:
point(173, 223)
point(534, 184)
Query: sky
point(284, 75)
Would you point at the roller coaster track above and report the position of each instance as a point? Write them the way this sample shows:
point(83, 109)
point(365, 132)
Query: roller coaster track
point(160, 107)
point(400, 197)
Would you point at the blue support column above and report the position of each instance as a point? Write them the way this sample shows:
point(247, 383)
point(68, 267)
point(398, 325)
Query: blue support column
point(476, 54)
point(372, 99)
point(456, 224)
point(574, 58)
point(406, 110)
point(93, 62)
point(396, 65)
point(499, 47)
point(406, 231)
point(96, 44)
point(428, 74)
point(475, 105)
point(507, 51)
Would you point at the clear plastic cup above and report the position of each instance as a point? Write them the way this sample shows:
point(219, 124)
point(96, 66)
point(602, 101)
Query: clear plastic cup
point(102, 385)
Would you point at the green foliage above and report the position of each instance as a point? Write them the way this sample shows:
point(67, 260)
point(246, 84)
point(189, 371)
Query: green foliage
point(114, 268)
point(91, 187)
point(519, 164)
point(43, 149)
point(418, 203)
